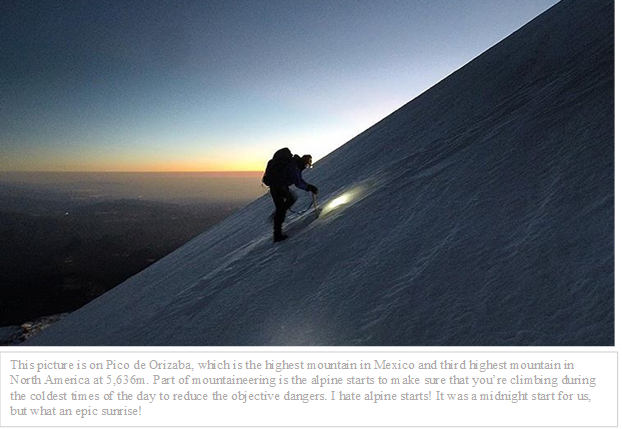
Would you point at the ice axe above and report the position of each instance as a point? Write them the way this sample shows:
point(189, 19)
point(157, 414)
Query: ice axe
point(317, 214)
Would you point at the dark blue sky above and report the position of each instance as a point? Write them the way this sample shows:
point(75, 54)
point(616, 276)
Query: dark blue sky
point(119, 85)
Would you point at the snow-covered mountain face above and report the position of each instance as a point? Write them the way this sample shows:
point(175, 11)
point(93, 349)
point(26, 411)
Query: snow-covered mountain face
point(481, 213)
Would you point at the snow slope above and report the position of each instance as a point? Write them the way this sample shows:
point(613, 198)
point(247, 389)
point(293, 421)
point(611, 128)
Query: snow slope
point(480, 213)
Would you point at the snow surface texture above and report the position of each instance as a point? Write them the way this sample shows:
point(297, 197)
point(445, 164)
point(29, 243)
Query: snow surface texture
point(480, 213)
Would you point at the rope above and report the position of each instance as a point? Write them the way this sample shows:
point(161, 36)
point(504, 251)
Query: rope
point(299, 213)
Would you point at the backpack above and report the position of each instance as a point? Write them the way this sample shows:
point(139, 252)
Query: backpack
point(276, 166)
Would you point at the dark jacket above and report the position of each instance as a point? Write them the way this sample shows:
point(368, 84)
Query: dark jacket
point(292, 175)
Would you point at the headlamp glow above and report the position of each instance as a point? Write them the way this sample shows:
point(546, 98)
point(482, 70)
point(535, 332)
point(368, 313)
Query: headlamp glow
point(339, 201)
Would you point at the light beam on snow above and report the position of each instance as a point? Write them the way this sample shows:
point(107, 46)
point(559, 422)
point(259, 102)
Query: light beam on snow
point(339, 201)
point(349, 197)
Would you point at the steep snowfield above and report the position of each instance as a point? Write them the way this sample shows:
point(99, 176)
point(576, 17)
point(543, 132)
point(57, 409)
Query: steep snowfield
point(481, 213)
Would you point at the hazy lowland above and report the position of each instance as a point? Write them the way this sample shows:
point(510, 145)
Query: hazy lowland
point(69, 237)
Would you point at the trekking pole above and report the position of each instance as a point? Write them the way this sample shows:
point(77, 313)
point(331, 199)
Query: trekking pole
point(317, 215)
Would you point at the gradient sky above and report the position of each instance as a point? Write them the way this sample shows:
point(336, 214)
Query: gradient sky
point(178, 85)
